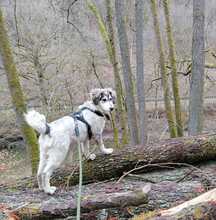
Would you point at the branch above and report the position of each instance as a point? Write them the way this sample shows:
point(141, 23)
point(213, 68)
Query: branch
point(70, 22)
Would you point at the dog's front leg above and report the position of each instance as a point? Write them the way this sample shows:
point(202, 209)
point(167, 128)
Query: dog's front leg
point(86, 152)
point(102, 147)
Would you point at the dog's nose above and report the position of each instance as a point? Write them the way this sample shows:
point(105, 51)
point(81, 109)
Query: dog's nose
point(111, 109)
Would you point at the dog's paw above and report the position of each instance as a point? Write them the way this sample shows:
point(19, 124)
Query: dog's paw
point(50, 190)
point(92, 156)
point(107, 150)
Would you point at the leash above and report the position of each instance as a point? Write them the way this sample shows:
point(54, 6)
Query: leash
point(77, 133)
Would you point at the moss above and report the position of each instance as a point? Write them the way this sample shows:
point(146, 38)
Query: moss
point(167, 101)
point(198, 213)
point(146, 216)
point(16, 93)
point(172, 57)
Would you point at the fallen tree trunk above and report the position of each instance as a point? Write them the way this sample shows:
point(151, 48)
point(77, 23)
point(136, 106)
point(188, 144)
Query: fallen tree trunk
point(10, 142)
point(201, 207)
point(33, 204)
point(181, 150)
point(186, 150)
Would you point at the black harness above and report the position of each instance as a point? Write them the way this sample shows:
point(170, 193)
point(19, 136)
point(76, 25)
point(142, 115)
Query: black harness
point(79, 116)
point(47, 129)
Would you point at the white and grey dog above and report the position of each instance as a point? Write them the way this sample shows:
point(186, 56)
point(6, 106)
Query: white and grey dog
point(57, 137)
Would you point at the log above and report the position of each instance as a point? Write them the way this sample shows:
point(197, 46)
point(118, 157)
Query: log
point(33, 204)
point(189, 150)
point(10, 142)
point(201, 207)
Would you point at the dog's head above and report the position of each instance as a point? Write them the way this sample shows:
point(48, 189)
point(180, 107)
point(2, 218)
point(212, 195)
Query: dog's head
point(104, 98)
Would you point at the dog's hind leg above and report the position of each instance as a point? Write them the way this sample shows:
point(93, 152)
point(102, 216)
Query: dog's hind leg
point(41, 166)
point(50, 167)
point(55, 159)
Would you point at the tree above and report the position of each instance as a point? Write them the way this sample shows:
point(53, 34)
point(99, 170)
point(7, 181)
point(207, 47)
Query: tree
point(127, 72)
point(198, 60)
point(172, 57)
point(16, 94)
point(108, 38)
point(166, 91)
point(118, 83)
point(139, 17)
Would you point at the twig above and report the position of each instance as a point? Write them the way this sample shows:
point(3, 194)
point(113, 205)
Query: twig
point(141, 178)
point(19, 207)
point(16, 22)
point(95, 71)
point(142, 167)
point(186, 175)
point(69, 22)
point(164, 165)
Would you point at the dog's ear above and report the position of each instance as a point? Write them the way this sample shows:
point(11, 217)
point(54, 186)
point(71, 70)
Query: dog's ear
point(95, 95)
point(112, 93)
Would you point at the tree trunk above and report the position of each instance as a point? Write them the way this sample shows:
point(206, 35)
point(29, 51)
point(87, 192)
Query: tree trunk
point(198, 60)
point(33, 204)
point(139, 16)
point(127, 72)
point(201, 207)
point(161, 155)
point(167, 97)
point(42, 85)
point(118, 83)
point(172, 57)
point(17, 94)
point(112, 56)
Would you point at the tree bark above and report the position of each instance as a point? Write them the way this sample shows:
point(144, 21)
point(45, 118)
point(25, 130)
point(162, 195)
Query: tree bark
point(139, 17)
point(155, 156)
point(198, 61)
point(201, 207)
point(127, 72)
point(17, 94)
point(33, 204)
point(165, 84)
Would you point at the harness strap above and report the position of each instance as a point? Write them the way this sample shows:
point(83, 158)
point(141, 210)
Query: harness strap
point(97, 112)
point(78, 116)
point(76, 127)
point(47, 129)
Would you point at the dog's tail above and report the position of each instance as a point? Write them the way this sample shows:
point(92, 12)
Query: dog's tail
point(36, 121)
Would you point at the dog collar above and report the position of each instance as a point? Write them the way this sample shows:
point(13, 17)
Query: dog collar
point(97, 112)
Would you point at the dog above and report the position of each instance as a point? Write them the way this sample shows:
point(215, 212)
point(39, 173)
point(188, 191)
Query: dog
point(58, 137)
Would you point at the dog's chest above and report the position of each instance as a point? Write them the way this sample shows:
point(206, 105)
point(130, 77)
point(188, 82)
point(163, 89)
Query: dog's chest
point(98, 126)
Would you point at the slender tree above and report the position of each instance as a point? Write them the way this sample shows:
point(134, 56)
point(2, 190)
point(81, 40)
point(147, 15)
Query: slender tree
point(108, 38)
point(166, 91)
point(139, 21)
point(16, 93)
point(41, 80)
point(198, 61)
point(118, 83)
point(127, 72)
point(172, 57)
